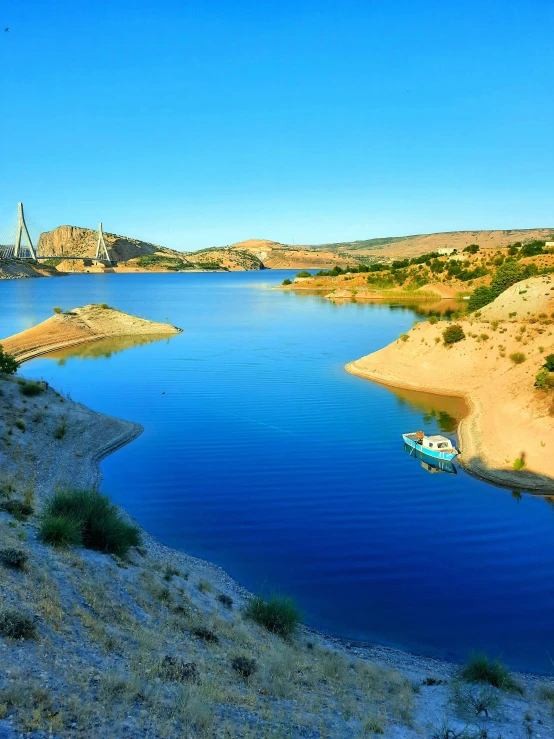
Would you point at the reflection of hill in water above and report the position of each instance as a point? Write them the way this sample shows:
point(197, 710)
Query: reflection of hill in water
point(447, 410)
point(422, 307)
point(104, 348)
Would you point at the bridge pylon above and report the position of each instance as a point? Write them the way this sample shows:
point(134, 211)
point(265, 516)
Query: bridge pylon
point(101, 248)
point(21, 230)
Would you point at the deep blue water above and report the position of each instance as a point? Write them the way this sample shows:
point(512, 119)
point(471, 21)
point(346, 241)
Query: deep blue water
point(265, 456)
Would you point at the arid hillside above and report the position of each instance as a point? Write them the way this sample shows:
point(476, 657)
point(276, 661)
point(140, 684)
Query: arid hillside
point(284, 256)
point(413, 246)
point(75, 241)
point(228, 258)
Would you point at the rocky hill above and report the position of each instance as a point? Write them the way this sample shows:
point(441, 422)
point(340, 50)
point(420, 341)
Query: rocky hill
point(75, 241)
point(227, 257)
point(412, 246)
point(284, 256)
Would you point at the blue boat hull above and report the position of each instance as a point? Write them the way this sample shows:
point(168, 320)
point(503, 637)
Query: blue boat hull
point(435, 454)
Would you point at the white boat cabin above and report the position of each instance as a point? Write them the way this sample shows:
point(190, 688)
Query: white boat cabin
point(437, 443)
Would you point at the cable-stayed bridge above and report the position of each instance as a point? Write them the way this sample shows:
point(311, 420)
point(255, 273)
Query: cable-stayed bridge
point(18, 243)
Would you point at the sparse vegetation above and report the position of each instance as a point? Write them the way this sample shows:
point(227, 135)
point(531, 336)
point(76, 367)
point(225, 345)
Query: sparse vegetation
point(57, 310)
point(473, 701)
point(518, 357)
point(14, 558)
point(31, 388)
point(60, 531)
point(286, 281)
point(16, 508)
point(519, 463)
point(480, 669)
point(8, 363)
point(226, 600)
point(60, 430)
point(245, 666)
point(280, 615)
point(453, 333)
point(15, 624)
point(99, 522)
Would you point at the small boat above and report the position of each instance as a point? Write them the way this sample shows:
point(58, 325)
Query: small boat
point(431, 464)
point(436, 446)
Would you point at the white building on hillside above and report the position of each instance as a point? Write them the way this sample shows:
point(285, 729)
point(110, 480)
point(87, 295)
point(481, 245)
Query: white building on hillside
point(446, 251)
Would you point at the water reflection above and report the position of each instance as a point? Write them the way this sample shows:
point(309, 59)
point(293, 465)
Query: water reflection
point(104, 348)
point(444, 410)
point(430, 464)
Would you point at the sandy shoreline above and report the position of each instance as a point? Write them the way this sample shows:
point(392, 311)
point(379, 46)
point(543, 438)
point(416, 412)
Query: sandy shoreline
point(81, 326)
point(507, 435)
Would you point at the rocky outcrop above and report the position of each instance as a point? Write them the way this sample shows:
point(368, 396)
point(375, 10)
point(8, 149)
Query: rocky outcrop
point(76, 242)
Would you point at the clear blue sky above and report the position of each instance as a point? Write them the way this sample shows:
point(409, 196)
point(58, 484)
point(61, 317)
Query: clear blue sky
point(200, 123)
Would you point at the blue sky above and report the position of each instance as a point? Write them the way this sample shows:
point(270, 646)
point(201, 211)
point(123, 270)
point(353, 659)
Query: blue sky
point(192, 124)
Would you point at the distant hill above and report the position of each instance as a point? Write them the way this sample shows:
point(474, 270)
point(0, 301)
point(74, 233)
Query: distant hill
point(284, 256)
point(412, 246)
point(76, 241)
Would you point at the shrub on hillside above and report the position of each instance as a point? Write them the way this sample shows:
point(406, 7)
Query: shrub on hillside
point(245, 666)
point(99, 522)
point(544, 380)
point(453, 334)
point(14, 558)
point(60, 531)
point(8, 363)
point(518, 357)
point(16, 624)
point(472, 249)
point(30, 388)
point(286, 281)
point(280, 615)
point(304, 273)
point(480, 669)
point(16, 507)
point(57, 310)
point(480, 297)
point(549, 362)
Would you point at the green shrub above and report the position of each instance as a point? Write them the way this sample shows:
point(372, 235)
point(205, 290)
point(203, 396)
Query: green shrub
point(480, 669)
point(472, 248)
point(8, 363)
point(544, 380)
point(99, 521)
point(206, 634)
point(60, 531)
point(225, 600)
point(549, 362)
point(453, 334)
point(16, 508)
point(14, 558)
point(16, 624)
point(60, 430)
point(30, 388)
point(519, 463)
point(286, 281)
point(304, 274)
point(480, 297)
point(433, 320)
point(57, 310)
point(19, 424)
point(518, 357)
point(245, 666)
point(280, 615)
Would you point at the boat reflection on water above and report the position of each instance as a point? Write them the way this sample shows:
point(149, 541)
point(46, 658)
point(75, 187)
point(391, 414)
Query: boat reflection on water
point(430, 464)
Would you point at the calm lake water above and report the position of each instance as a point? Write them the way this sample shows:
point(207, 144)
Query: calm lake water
point(264, 456)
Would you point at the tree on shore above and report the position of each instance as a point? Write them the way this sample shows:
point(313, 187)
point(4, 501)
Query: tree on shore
point(8, 363)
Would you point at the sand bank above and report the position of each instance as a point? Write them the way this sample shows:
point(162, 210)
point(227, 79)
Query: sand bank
point(509, 419)
point(80, 326)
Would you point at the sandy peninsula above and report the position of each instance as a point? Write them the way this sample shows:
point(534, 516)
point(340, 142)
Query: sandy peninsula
point(509, 418)
point(81, 326)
